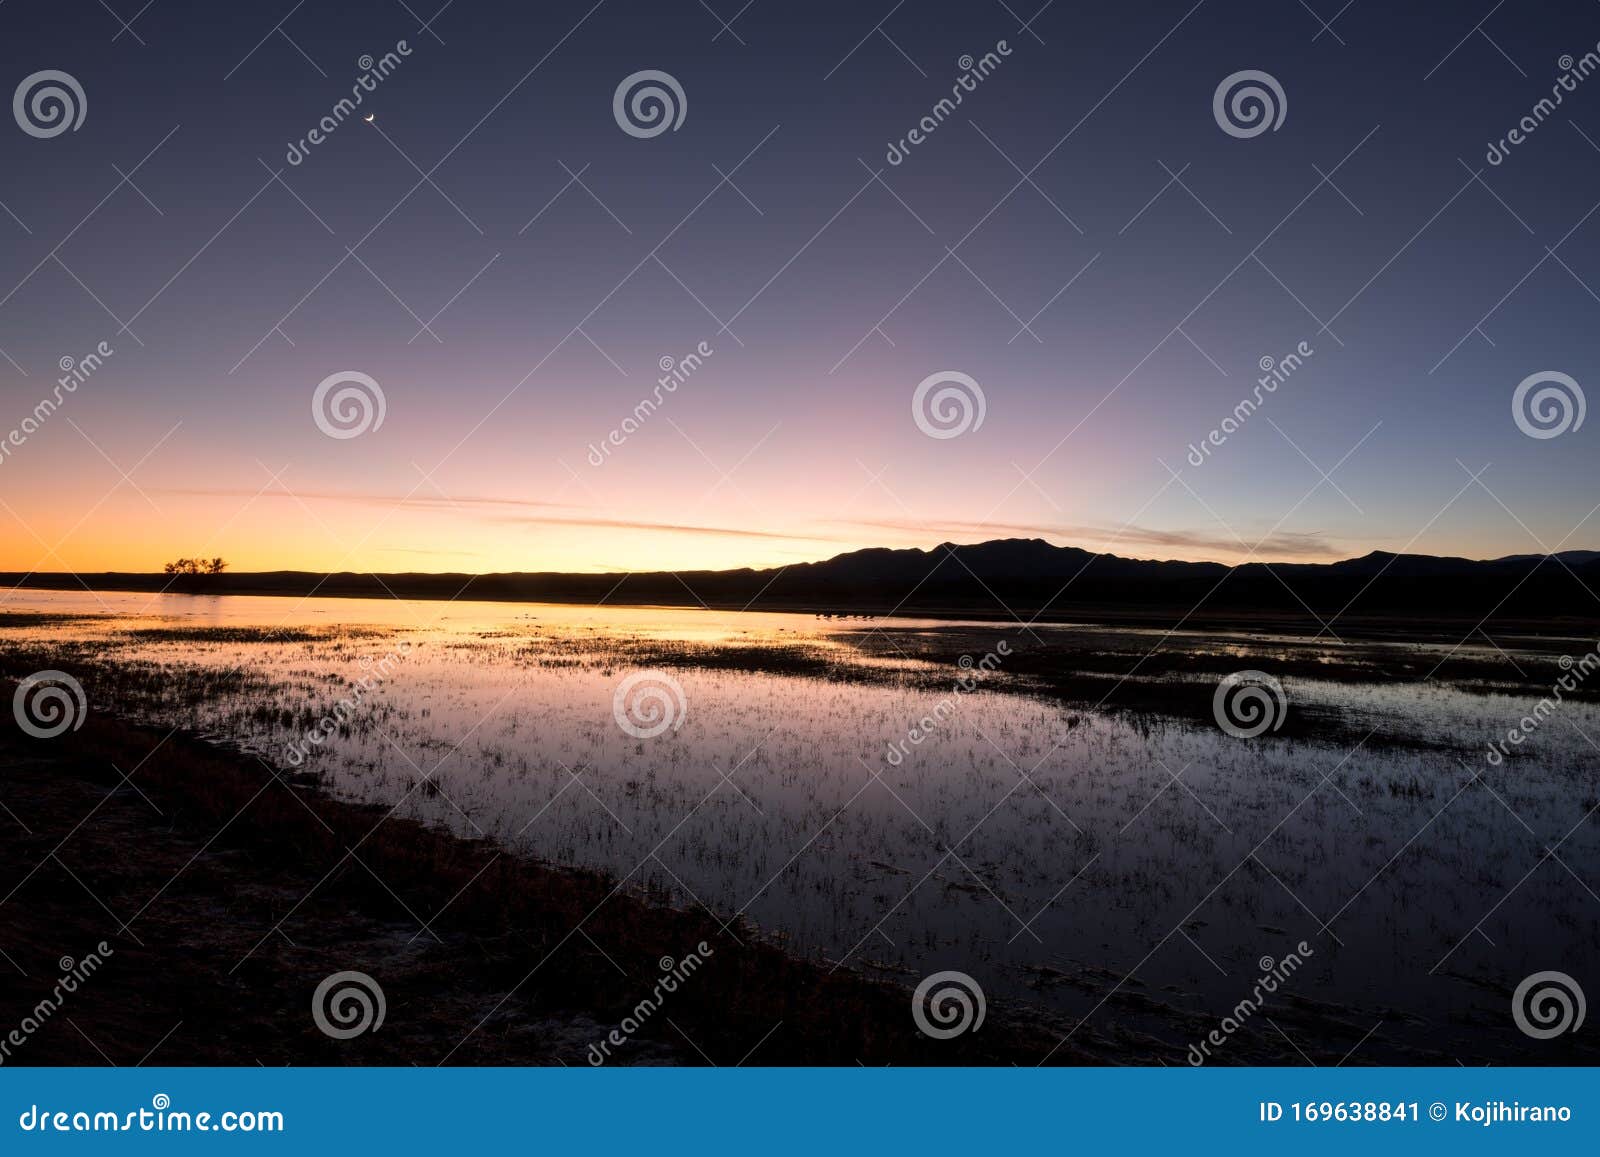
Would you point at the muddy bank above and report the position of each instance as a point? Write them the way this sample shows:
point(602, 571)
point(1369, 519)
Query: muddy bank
point(225, 895)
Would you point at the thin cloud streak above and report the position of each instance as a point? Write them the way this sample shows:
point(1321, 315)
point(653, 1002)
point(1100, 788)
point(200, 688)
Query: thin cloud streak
point(490, 504)
point(668, 527)
point(1281, 545)
point(426, 501)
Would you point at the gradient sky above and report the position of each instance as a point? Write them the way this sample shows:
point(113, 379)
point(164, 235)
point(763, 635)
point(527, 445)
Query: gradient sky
point(782, 447)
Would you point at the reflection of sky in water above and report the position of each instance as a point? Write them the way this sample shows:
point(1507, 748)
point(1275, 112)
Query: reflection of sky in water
point(1025, 842)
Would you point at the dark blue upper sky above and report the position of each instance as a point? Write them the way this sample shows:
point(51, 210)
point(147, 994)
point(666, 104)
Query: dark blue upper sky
point(559, 259)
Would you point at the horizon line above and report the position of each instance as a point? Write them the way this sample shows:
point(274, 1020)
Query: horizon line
point(946, 544)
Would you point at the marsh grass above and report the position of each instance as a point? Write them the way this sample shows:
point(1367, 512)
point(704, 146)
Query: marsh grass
point(1089, 759)
point(497, 920)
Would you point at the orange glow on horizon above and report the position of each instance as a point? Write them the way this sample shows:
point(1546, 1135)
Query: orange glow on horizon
point(276, 532)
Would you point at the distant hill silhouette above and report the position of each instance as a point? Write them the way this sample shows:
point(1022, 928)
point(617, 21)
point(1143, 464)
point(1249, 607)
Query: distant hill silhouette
point(1026, 576)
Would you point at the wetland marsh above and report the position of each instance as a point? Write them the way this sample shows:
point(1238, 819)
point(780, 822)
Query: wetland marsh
point(1052, 810)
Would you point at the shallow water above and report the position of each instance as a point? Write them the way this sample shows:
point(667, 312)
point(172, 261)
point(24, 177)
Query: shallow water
point(1137, 868)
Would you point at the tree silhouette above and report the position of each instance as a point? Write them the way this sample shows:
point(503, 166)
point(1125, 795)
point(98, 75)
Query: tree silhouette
point(196, 566)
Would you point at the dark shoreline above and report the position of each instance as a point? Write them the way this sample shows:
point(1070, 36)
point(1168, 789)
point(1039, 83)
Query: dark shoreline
point(244, 891)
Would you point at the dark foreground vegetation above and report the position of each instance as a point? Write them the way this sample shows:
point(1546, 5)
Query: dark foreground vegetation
point(227, 893)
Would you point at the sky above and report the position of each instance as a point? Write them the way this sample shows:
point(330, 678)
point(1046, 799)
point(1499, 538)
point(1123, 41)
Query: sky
point(508, 266)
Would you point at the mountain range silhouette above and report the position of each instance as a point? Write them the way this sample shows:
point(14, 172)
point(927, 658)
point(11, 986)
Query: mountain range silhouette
point(1024, 577)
